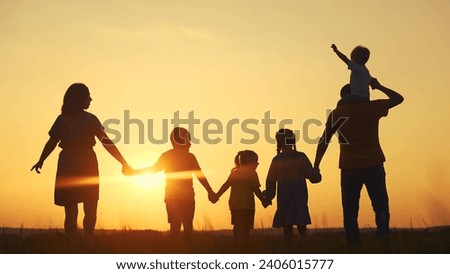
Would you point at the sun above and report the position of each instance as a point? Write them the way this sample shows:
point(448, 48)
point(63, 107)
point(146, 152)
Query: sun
point(146, 182)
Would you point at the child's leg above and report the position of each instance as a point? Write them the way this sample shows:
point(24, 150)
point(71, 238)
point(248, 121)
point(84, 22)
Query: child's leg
point(245, 240)
point(70, 222)
point(188, 218)
point(173, 217)
point(301, 230)
point(236, 235)
point(288, 234)
point(241, 236)
point(188, 228)
point(90, 216)
point(175, 228)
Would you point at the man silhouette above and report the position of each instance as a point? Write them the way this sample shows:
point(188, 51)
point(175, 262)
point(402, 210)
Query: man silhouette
point(361, 157)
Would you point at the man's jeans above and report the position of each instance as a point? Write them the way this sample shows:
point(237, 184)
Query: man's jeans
point(352, 181)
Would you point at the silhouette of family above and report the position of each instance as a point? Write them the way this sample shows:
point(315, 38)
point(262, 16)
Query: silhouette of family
point(355, 120)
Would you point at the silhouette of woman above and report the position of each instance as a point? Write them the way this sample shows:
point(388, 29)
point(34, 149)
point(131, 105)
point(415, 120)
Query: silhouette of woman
point(77, 177)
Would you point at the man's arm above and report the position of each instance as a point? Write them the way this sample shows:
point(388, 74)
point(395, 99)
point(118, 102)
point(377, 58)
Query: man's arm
point(395, 98)
point(322, 146)
point(340, 54)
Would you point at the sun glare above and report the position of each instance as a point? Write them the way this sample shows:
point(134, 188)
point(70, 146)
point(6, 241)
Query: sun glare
point(147, 181)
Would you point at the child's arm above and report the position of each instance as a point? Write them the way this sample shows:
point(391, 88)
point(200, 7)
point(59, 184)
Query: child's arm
point(312, 173)
point(340, 54)
point(158, 166)
point(150, 169)
point(265, 202)
point(202, 179)
point(271, 182)
point(223, 189)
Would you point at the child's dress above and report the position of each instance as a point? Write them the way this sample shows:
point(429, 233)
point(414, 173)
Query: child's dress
point(243, 182)
point(290, 170)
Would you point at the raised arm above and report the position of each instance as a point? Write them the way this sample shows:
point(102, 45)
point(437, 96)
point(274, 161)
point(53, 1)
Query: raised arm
point(48, 149)
point(395, 98)
point(340, 54)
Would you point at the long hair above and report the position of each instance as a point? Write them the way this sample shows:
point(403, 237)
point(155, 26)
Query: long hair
point(245, 157)
point(74, 99)
point(285, 138)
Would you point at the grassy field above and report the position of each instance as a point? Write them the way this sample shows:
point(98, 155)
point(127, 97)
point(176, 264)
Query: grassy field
point(264, 241)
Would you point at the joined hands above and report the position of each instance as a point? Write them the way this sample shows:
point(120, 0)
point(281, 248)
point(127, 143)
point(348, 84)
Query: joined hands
point(127, 170)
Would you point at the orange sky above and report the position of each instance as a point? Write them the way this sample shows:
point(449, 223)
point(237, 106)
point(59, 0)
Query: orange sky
point(223, 60)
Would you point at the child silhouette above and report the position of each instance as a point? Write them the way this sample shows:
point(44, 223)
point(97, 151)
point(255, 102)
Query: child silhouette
point(360, 78)
point(179, 165)
point(287, 178)
point(244, 184)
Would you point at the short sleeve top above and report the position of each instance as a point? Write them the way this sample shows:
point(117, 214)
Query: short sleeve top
point(358, 135)
point(359, 79)
point(76, 132)
point(243, 183)
point(178, 166)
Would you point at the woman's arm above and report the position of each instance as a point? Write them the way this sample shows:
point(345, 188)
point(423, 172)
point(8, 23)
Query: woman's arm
point(48, 149)
point(114, 151)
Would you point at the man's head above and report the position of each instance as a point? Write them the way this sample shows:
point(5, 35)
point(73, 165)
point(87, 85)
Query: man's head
point(346, 90)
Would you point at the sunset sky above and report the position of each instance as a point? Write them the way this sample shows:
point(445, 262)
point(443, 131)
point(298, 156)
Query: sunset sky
point(221, 60)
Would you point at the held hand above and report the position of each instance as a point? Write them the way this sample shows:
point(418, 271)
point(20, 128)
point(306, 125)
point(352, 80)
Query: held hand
point(212, 197)
point(316, 167)
point(316, 177)
point(266, 202)
point(37, 167)
point(127, 170)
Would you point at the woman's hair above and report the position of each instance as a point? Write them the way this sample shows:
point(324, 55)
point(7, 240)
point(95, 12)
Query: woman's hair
point(180, 136)
point(245, 157)
point(285, 138)
point(74, 99)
